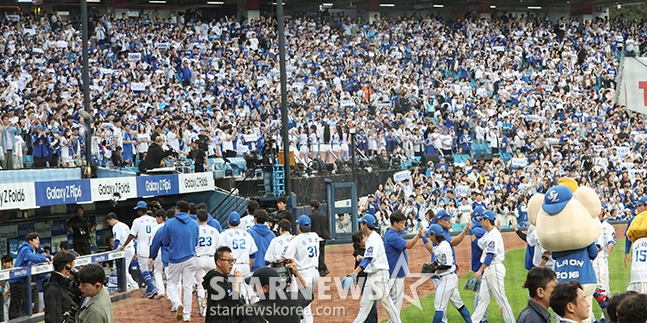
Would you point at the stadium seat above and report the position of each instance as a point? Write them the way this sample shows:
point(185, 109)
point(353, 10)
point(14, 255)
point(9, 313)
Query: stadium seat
point(457, 227)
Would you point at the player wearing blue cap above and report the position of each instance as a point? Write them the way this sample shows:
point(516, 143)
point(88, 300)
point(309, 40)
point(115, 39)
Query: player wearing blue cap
point(241, 243)
point(476, 233)
point(443, 218)
point(142, 230)
point(445, 279)
point(304, 249)
point(492, 271)
point(396, 253)
point(376, 266)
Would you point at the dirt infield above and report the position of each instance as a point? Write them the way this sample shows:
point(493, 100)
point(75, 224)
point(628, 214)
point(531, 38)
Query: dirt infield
point(340, 262)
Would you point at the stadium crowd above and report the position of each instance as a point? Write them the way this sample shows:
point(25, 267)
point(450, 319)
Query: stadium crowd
point(537, 92)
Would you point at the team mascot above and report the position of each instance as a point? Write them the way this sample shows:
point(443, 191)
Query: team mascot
point(567, 224)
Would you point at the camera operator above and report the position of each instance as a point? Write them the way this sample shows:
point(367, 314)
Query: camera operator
point(58, 298)
point(282, 212)
point(276, 306)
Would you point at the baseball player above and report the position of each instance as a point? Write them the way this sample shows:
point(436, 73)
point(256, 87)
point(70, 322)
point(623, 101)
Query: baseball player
point(304, 249)
point(142, 230)
point(241, 243)
point(638, 249)
point(376, 266)
point(120, 232)
point(492, 270)
point(605, 243)
point(396, 253)
point(204, 251)
point(160, 263)
point(445, 279)
point(278, 245)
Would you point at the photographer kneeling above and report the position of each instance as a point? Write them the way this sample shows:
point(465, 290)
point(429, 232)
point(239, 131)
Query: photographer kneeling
point(58, 301)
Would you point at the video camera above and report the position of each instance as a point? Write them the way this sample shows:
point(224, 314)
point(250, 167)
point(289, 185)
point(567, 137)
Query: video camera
point(285, 273)
point(75, 295)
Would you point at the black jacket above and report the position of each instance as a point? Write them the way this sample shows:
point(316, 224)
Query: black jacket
point(224, 308)
point(320, 224)
point(155, 155)
point(270, 313)
point(57, 298)
point(533, 313)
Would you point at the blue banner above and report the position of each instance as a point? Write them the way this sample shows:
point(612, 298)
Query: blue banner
point(100, 258)
point(20, 272)
point(63, 192)
point(157, 185)
point(13, 247)
point(58, 227)
point(24, 228)
point(46, 242)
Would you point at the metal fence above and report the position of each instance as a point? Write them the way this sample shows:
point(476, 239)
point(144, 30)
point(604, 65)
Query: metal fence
point(28, 274)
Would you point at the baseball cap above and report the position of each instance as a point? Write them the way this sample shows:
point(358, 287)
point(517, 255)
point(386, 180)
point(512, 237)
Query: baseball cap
point(140, 205)
point(368, 219)
point(487, 214)
point(263, 275)
point(643, 200)
point(234, 218)
point(443, 215)
point(556, 199)
point(435, 229)
point(478, 211)
point(304, 221)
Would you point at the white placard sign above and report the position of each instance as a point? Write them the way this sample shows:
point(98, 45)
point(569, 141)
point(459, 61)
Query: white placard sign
point(462, 191)
point(134, 57)
point(519, 162)
point(401, 176)
point(196, 182)
point(17, 196)
point(250, 138)
point(622, 150)
point(106, 189)
point(137, 86)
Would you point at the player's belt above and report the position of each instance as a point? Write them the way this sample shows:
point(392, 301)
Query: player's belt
point(204, 256)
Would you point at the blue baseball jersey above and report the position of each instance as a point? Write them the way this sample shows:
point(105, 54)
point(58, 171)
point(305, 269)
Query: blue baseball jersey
point(477, 252)
point(576, 265)
point(394, 246)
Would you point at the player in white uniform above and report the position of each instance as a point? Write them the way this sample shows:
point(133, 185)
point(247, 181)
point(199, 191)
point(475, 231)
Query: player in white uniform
point(376, 266)
point(158, 264)
point(304, 249)
point(445, 279)
point(279, 244)
point(492, 270)
point(204, 252)
point(241, 243)
point(605, 243)
point(120, 232)
point(142, 230)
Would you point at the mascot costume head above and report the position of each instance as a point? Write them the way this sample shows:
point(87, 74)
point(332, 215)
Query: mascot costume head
point(567, 223)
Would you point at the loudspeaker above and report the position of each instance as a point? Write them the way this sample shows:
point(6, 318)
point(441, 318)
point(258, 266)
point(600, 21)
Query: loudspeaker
point(486, 157)
point(427, 158)
point(227, 183)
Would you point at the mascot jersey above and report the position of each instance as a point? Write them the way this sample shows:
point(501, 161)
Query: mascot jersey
point(576, 265)
point(639, 261)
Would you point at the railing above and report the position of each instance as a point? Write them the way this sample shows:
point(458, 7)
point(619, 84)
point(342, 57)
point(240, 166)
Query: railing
point(26, 273)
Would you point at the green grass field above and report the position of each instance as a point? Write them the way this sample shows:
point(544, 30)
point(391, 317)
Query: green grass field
point(517, 296)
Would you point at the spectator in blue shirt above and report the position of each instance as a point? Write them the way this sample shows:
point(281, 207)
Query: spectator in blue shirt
point(27, 256)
